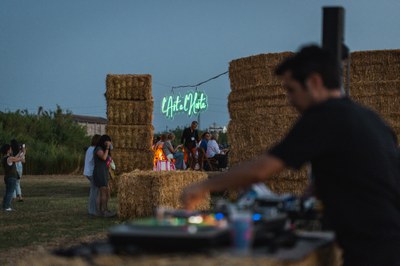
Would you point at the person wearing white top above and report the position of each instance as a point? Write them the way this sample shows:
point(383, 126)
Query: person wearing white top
point(213, 151)
point(212, 148)
point(93, 206)
point(17, 148)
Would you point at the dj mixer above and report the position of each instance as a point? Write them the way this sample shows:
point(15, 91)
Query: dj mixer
point(173, 230)
point(273, 219)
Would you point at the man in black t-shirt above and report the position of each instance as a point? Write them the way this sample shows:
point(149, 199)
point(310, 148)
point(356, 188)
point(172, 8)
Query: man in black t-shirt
point(354, 157)
point(190, 138)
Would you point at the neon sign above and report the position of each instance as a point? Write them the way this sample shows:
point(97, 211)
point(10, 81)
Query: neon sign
point(192, 103)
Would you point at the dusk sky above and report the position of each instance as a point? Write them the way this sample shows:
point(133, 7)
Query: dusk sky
point(55, 52)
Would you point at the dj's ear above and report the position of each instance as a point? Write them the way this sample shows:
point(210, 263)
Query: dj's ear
point(314, 81)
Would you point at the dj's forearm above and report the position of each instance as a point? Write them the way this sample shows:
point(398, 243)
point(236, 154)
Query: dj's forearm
point(245, 174)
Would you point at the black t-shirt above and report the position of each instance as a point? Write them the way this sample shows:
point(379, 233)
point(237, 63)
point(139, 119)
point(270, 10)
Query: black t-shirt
point(355, 162)
point(10, 171)
point(189, 137)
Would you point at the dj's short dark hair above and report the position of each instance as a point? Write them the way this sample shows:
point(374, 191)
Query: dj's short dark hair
point(312, 59)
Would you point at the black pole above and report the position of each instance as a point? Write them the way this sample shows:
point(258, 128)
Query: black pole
point(333, 32)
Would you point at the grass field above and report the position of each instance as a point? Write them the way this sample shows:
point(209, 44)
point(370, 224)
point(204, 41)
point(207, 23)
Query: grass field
point(53, 214)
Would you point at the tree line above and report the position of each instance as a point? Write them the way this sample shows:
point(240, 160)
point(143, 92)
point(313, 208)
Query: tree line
point(55, 143)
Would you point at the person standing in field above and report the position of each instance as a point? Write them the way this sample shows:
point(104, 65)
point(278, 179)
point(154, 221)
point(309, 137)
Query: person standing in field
point(17, 148)
point(101, 174)
point(94, 200)
point(10, 173)
point(190, 138)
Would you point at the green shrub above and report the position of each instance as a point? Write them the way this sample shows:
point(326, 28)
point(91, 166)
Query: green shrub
point(55, 143)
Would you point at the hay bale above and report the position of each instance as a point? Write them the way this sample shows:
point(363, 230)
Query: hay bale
point(375, 83)
point(375, 88)
point(258, 101)
point(282, 183)
point(130, 115)
point(239, 110)
point(131, 136)
point(375, 66)
point(248, 141)
point(127, 160)
point(140, 192)
point(249, 72)
point(129, 87)
point(288, 184)
point(124, 112)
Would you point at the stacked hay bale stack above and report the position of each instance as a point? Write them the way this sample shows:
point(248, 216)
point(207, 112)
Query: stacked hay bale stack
point(375, 82)
point(140, 192)
point(129, 112)
point(260, 115)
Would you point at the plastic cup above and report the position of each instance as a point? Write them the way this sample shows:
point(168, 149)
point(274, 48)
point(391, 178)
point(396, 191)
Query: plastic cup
point(242, 232)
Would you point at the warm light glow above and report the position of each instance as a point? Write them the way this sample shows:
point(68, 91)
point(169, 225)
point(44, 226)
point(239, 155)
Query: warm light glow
point(159, 155)
point(195, 219)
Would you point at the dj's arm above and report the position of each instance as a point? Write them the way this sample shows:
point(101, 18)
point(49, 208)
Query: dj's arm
point(241, 176)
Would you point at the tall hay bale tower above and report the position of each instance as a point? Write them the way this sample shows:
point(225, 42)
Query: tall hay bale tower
point(260, 115)
point(375, 82)
point(130, 112)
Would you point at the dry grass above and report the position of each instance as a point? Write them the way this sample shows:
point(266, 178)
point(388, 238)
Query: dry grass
point(53, 214)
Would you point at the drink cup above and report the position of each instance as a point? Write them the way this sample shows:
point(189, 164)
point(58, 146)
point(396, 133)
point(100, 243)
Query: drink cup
point(242, 232)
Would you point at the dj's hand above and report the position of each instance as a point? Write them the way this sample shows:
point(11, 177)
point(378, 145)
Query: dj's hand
point(193, 195)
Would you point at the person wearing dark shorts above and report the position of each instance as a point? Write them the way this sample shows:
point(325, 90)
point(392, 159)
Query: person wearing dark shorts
point(102, 160)
point(10, 173)
point(354, 156)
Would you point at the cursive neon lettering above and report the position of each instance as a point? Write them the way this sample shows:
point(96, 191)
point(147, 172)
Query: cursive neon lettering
point(192, 103)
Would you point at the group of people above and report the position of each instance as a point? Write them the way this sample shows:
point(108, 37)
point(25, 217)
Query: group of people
point(192, 151)
point(13, 157)
point(206, 147)
point(97, 166)
point(210, 148)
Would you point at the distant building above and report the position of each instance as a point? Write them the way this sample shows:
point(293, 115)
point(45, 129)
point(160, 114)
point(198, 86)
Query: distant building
point(214, 128)
point(93, 124)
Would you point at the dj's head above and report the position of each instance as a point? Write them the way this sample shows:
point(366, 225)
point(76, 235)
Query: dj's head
point(310, 76)
point(312, 60)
